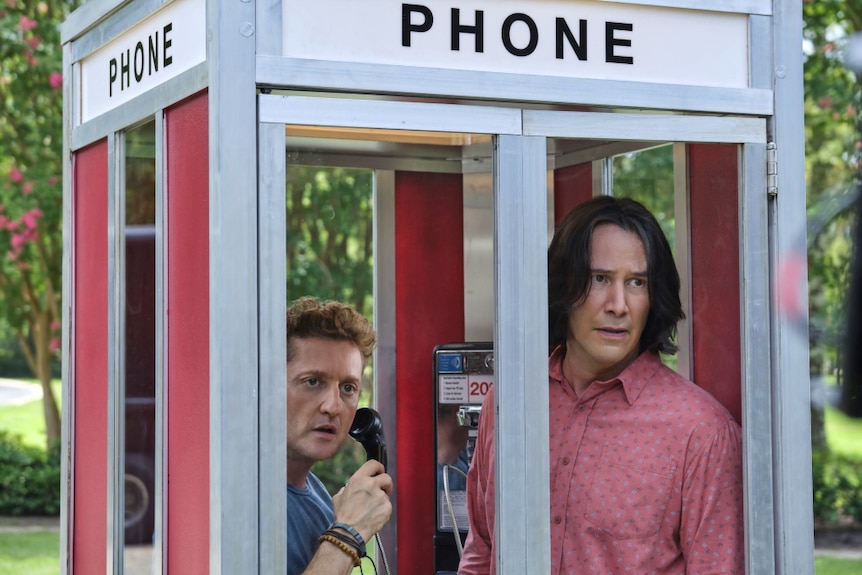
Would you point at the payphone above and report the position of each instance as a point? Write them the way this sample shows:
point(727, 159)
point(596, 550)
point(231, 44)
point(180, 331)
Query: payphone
point(463, 375)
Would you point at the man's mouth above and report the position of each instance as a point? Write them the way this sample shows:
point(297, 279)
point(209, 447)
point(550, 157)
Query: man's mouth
point(613, 331)
point(326, 429)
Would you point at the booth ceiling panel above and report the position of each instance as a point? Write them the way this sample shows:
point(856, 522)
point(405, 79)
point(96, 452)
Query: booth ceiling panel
point(278, 72)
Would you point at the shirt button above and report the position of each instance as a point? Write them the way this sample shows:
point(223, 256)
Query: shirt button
point(558, 520)
point(582, 407)
point(565, 461)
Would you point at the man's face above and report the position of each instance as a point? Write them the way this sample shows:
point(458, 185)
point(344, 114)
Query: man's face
point(605, 328)
point(323, 384)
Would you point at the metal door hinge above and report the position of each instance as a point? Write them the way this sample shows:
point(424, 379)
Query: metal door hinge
point(771, 170)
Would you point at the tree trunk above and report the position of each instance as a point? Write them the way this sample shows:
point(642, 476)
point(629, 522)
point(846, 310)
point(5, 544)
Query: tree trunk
point(37, 351)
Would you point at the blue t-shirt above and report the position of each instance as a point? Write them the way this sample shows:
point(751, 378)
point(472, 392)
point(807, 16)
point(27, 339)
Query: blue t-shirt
point(309, 514)
point(457, 482)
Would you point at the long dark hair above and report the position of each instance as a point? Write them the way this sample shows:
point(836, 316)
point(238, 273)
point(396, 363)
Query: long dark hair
point(569, 269)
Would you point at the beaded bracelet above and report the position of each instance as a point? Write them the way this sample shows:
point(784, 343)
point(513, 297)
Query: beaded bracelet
point(360, 542)
point(343, 546)
point(347, 540)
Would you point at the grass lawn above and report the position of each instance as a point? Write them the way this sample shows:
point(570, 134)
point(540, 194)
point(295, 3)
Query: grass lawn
point(32, 552)
point(27, 420)
point(837, 566)
point(843, 434)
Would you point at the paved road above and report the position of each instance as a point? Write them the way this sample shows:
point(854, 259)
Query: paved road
point(14, 392)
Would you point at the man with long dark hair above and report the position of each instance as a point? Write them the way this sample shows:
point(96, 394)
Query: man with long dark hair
point(646, 467)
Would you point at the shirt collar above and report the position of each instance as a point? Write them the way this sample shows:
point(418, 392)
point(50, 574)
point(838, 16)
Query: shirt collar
point(634, 378)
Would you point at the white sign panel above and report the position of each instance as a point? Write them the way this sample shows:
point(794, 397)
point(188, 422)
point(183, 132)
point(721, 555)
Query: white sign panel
point(565, 38)
point(157, 49)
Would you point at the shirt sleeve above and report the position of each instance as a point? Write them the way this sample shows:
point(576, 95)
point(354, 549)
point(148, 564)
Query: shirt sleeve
point(711, 526)
point(478, 557)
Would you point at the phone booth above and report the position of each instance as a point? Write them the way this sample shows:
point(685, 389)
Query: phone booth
point(478, 124)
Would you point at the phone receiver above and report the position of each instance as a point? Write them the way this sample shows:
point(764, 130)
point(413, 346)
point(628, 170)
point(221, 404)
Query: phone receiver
point(367, 429)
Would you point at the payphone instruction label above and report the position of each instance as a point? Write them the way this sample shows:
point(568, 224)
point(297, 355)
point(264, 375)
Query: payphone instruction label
point(459, 509)
point(470, 388)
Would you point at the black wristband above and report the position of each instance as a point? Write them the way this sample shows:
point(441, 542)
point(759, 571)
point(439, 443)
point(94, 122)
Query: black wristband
point(360, 542)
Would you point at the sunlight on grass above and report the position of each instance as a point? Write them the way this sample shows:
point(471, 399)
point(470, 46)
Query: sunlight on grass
point(33, 553)
point(837, 566)
point(27, 420)
point(843, 434)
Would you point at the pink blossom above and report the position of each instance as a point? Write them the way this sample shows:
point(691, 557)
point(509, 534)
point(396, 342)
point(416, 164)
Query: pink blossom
point(55, 325)
point(43, 8)
point(18, 241)
point(825, 102)
point(28, 187)
point(33, 61)
point(33, 42)
point(15, 174)
point(12, 225)
point(26, 24)
point(55, 80)
point(23, 266)
point(12, 255)
point(54, 344)
point(52, 181)
point(29, 218)
point(4, 219)
point(828, 47)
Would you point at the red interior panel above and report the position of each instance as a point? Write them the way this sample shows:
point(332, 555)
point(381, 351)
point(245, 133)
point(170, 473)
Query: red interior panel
point(90, 349)
point(714, 204)
point(188, 336)
point(429, 282)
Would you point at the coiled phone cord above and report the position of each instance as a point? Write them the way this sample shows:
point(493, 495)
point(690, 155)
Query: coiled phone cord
point(455, 532)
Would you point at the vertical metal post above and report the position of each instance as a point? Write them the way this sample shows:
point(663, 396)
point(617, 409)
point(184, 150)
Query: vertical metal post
point(794, 512)
point(385, 388)
point(521, 350)
point(756, 373)
point(273, 350)
point(234, 391)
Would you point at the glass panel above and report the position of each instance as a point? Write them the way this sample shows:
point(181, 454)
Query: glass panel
point(332, 174)
point(140, 345)
point(647, 176)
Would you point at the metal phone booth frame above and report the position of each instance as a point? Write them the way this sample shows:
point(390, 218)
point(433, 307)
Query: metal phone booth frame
point(227, 85)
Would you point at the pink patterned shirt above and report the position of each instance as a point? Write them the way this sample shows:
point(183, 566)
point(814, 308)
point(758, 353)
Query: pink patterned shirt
point(646, 478)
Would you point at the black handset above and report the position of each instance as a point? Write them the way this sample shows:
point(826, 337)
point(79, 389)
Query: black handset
point(367, 429)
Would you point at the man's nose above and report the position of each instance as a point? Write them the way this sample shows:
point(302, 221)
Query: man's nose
point(331, 401)
point(615, 301)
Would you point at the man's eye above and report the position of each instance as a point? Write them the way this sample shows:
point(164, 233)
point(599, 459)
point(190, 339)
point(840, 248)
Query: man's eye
point(637, 282)
point(312, 382)
point(349, 388)
point(599, 278)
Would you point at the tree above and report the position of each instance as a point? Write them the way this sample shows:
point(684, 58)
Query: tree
point(833, 146)
point(31, 167)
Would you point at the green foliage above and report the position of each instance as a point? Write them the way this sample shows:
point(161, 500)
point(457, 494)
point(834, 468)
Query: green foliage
point(29, 478)
point(647, 176)
point(31, 168)
point(832, 156)
point(335, 471)
point(330, 235)
point(837, 488)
